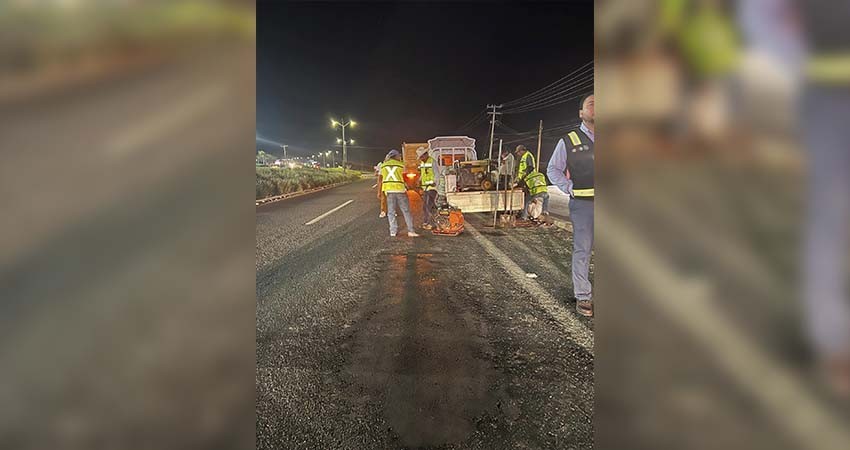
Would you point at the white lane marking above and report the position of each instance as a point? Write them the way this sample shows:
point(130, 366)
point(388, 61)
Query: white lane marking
point(329, 213)
point(566, 318)
point(173, 117)
point(686, 303)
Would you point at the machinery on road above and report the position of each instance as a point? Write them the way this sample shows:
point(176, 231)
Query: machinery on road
point(448, 222)
point(464, 182)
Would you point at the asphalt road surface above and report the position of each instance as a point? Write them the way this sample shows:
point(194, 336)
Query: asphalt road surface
point(127, 237)
point(368, 341)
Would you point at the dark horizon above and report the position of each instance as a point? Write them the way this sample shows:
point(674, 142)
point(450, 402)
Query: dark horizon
point(409, 72)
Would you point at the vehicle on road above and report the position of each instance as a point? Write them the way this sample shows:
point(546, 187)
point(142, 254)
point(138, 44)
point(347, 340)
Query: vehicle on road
point(466, 182)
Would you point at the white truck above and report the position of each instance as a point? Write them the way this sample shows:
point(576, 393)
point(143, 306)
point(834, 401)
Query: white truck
point(467, 183)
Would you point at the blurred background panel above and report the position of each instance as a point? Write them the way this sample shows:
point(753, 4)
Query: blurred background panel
point(127, 233)
point(706, 337)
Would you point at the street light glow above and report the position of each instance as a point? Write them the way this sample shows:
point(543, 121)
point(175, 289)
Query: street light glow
point(334, 123)
point(353, 123)
point(352, 141)
point(338, 140)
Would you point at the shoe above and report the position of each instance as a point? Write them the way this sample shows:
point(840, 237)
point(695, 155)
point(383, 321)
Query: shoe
point(382, 215)
point(584, 307)
point(392, 234)
point(412, 234)
point(427, 226)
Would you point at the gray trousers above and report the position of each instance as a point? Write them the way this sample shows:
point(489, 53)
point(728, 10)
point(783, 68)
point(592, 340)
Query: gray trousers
point(398, 199)
point(828, 219)
point(581, 215)
point(429, 206)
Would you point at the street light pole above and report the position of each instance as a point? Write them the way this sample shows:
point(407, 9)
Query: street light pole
point(342, 126)
point(283, 146)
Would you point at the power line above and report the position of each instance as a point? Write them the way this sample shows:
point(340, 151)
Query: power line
point(565, 90)
point(542, 91)
point(548, 105)
point(555, 94)
point(584, 85)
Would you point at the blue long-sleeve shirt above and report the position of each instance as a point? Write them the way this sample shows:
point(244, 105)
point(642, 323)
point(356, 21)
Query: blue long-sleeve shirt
point(557, 168)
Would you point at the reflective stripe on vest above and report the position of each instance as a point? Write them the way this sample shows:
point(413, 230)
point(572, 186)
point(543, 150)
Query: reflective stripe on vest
point(583, 192)
point(391, 176)
point(426, 174)
point(524, 165)
point(574, 138)
point(536, 183)
point(829, 68)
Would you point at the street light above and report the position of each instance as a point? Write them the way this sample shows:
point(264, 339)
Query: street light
point(283, 146)
point(342, 126)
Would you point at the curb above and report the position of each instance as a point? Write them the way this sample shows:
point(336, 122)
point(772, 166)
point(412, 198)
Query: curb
point(276, 198)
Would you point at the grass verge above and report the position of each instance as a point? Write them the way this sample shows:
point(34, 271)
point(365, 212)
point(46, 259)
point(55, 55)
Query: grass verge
point(273, 181)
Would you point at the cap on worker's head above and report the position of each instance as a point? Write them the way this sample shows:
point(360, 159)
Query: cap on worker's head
point(421, 151)
point(393, 153)
point(520, 148)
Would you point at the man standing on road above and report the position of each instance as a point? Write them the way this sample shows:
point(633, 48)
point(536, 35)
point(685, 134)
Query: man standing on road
point(381, 196)
point(532, 181)
point(393, 186)
point(574, 176)
point(429, 187)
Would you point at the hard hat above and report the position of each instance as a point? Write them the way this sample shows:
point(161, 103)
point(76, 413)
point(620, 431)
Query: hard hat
point(393, 153)
point(421, 151)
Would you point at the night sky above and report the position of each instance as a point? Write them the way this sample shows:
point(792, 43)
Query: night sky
point(412, 71)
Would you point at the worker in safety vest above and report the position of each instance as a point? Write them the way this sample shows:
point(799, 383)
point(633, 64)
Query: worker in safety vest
point(824, 112)
point(393, 186)
point(571, 169)
point(532, 181)
point(427, 183)
point(381, 196)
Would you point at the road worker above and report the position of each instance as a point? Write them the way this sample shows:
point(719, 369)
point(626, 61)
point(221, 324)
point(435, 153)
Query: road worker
point(392, 185)
point(571, 169)
point(427, 183)
point(532, 181)
point(381, 196)
point(822, 119)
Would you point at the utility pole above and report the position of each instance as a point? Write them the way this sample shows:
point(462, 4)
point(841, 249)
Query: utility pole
point(333, 158)
point(283, 146)
point(492, 126)
point(539, 142)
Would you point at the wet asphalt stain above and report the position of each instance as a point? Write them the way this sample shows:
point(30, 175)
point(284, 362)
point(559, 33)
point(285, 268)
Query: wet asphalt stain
point(423, 354)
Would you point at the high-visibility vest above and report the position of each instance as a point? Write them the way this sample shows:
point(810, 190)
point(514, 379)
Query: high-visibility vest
point(391, 176)
point(526, 166)
point(829, 68)
point(580, 162)
point(536, 183)
point(426, 174)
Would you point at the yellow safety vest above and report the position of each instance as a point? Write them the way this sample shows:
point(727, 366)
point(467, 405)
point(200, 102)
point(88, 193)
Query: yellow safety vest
point(426, 174)
point(830, 69)
point(391, 176)
point(525, 162)
point(536, 183)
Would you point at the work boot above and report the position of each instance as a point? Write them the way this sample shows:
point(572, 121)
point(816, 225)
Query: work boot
point(382, 215)
point(584, 307)
point(427, 226)
point(412, 234)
